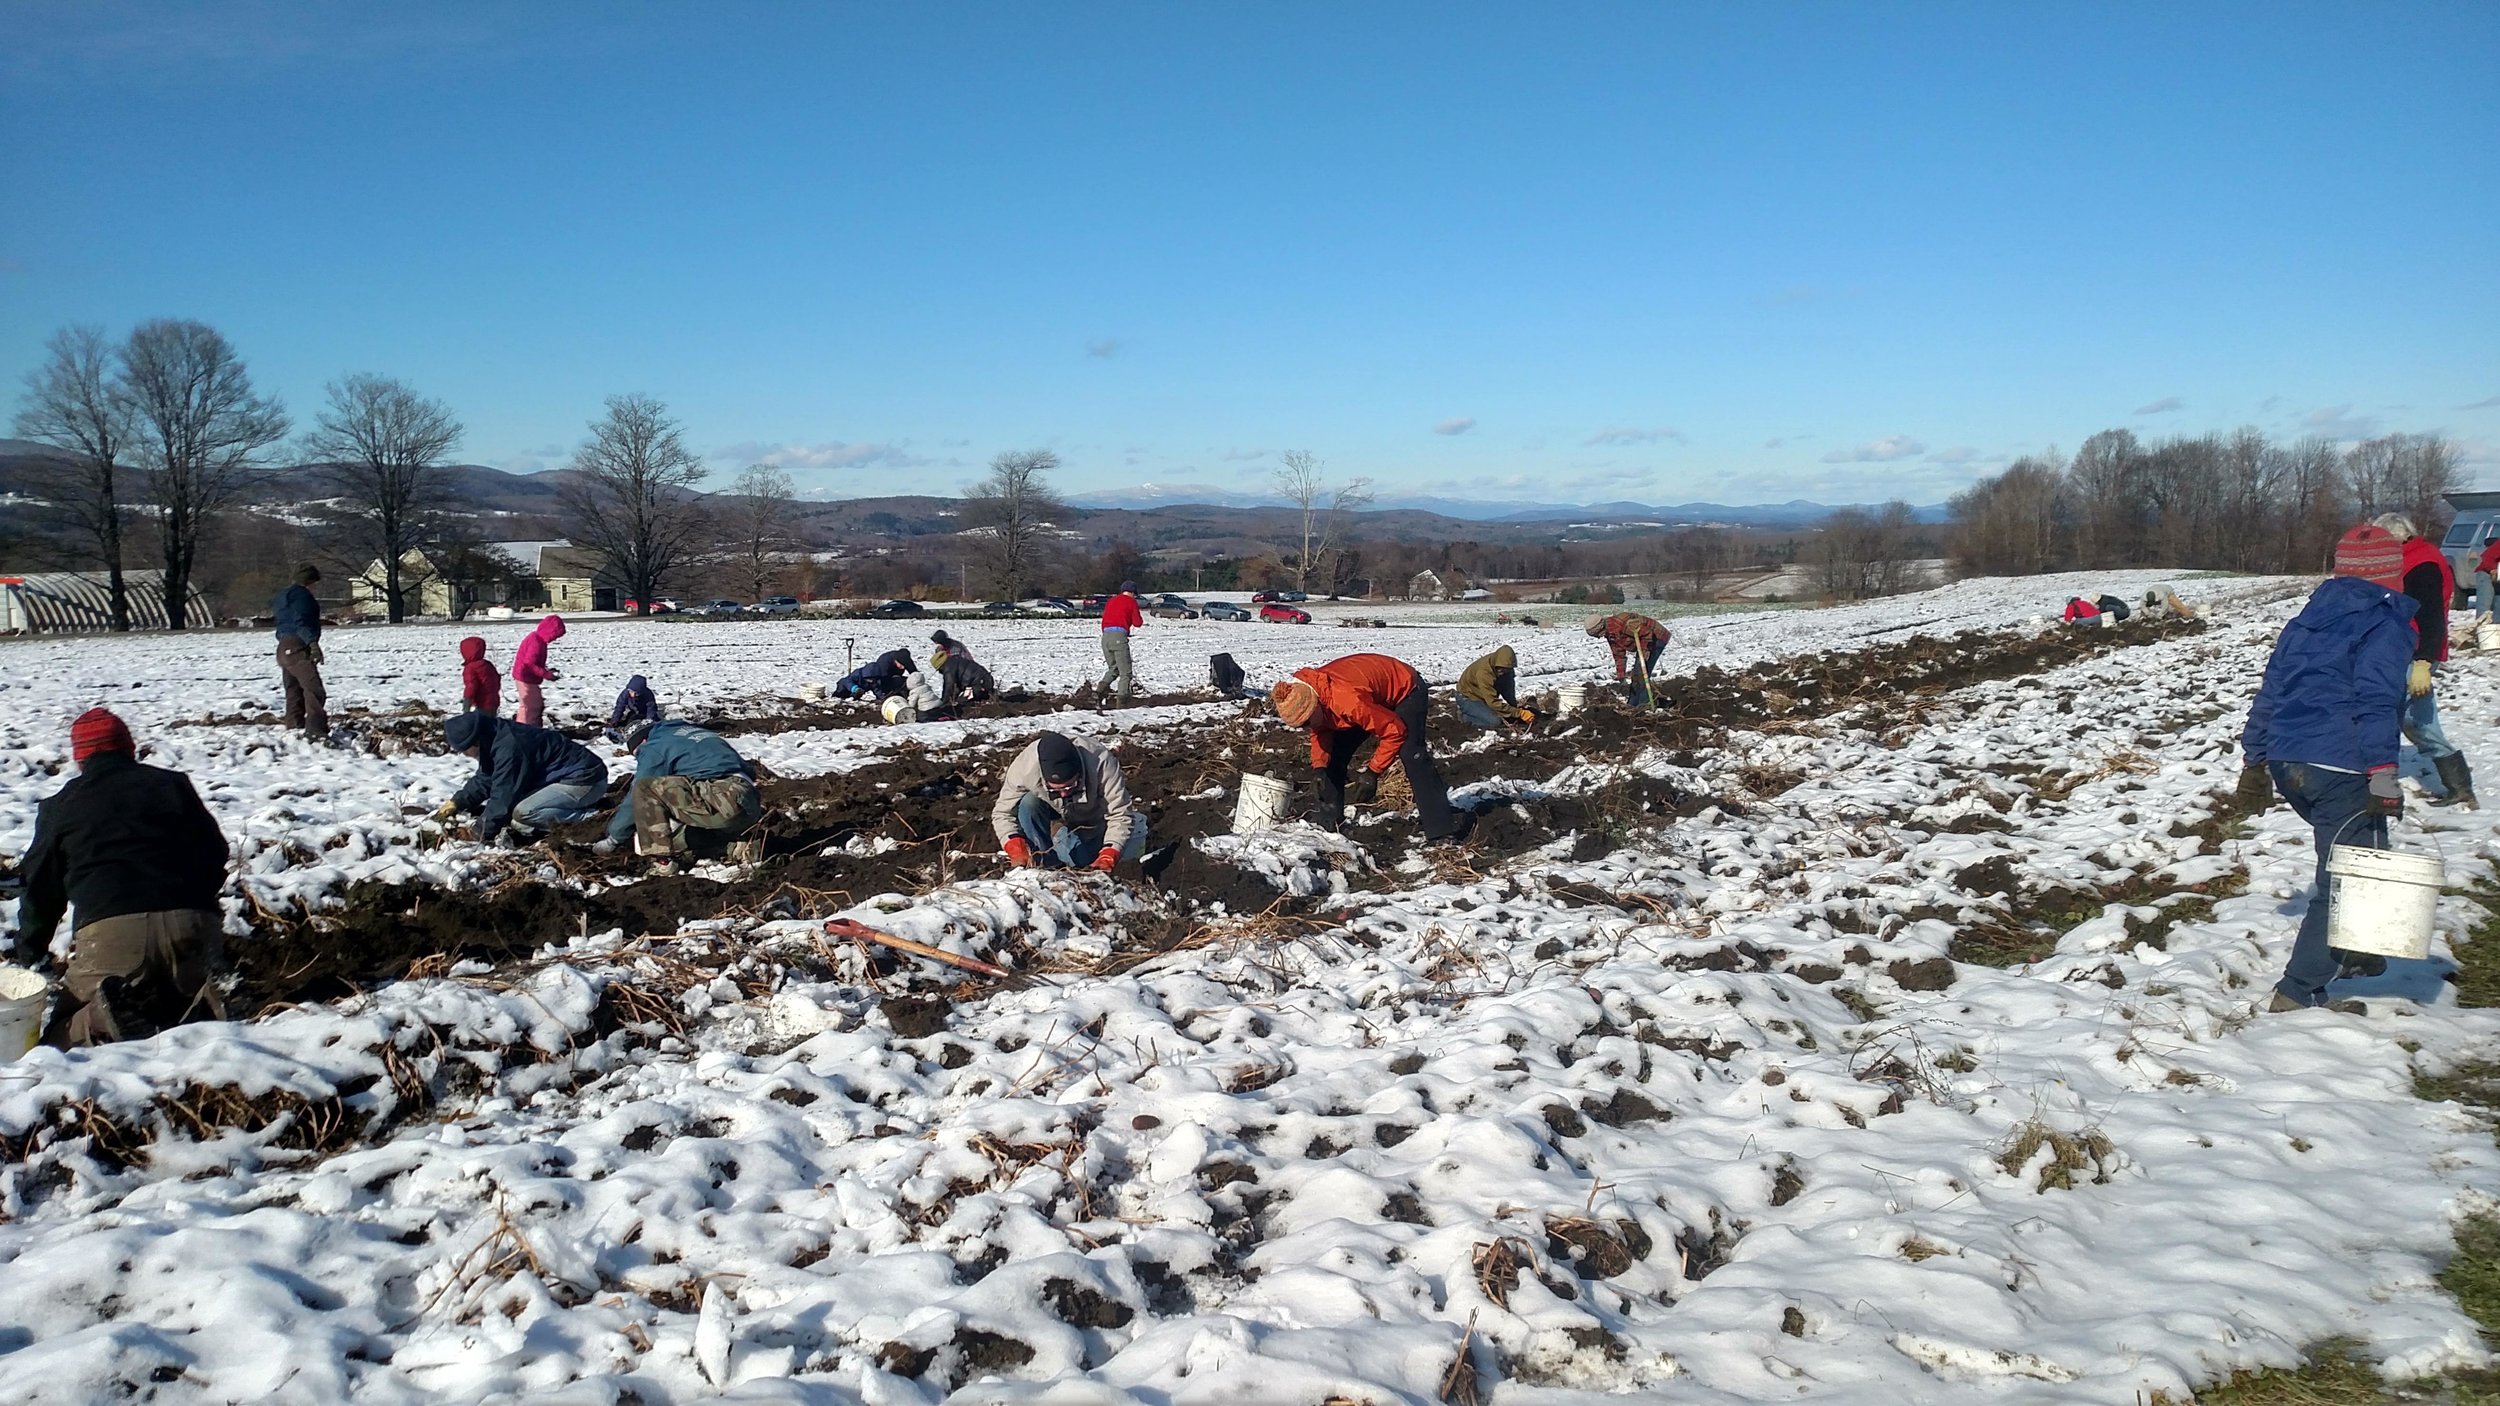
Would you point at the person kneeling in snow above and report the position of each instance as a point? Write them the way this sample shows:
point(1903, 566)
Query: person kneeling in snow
point(1488, 693)
point(886, 676)
point(966, 683)
point(528, 778)
point(685, 779)
point(635, 703)
point(1063, 801)
point(2324, 729)
point(1372, 696)
point(142, 860)
point(2082, 612)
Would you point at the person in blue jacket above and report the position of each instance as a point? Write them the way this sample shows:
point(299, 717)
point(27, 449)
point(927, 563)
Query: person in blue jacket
point(2324, 729)
point(685, 778)
point(528, 780)
point(882, 677)
point(297, 615)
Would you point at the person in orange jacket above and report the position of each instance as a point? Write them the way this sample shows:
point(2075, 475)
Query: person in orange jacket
point(1629, 636)
point(1372, 696)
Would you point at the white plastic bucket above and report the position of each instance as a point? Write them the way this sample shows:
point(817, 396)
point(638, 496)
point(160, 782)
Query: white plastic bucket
point(2381, 900)
point(1570, 698)
point(23, 997)
point(2487, 635)
point(898, 710)
point(1261, 804)
point(811, 691)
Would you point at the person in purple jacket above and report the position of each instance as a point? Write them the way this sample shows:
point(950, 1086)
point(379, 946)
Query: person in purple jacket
point(2324, 730)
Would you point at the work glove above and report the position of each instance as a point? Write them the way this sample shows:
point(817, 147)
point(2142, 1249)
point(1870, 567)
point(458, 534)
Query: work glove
point(318, 658)
point(2418, 682)
point(2256, 788)
point(2386, 797)
point(1363, 788)
point(553, 675)
point(1019, 853)
point(1526, 715)
point(446, 810)
point(1106, 859)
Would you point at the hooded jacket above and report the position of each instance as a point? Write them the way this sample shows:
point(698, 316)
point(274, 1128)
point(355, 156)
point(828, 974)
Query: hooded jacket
point(514, 760)
point(120, 837)
point(481, 687)
point(1493, 680)
point(529, 662)
point(1102, 798)
point(964, 679)
point(635, 704)
point(2336, 681)
point(1360, 692)
point(679, 749)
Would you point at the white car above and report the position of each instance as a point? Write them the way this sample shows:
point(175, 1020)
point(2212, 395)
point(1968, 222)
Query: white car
point(776, 605)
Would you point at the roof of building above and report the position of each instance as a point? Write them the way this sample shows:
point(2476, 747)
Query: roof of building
point(74, 601)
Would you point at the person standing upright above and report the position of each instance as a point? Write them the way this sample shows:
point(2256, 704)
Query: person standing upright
point(298, 615)
point(1120, 615)
point(2431, 584)
point(530, 671)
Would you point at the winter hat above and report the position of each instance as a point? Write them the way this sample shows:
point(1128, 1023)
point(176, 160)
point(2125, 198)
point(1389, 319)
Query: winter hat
point(1058, 758)
point(2373, 554)
point(635, 734)
point(941, 639)
point(306, 574)
point(1598, 625)
point(1128, 588)
point(1295, 701)
point(98, 730)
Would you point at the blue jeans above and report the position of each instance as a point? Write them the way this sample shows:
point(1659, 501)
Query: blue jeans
point(2482, 593)
point(1072, 848)
point(2422, 729)
point(559, 804)
point(1638, 681)
point(1476, 714)
point(2337, 806)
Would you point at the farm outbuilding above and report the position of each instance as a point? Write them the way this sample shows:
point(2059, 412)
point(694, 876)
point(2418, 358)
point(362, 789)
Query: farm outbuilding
point(81, 602)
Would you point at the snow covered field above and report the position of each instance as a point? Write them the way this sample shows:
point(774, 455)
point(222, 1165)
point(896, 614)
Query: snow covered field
point(1910, 1056)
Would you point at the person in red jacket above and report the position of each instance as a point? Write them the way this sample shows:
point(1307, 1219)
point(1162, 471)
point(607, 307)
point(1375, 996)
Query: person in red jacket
point(2431, 583)
point(481, 686)
point(2484, 566)
point(529, 669)
point(2082, 612)
point(1372, 696)
point(1120, 615)
point(1629, 637)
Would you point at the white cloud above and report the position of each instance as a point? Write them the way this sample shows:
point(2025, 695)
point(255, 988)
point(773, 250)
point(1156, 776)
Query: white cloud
point(1878, 451)
point(1457, 424)
point(830, 454)
point(2337, 422)
point(2167, 405)
point(2489, 402)
point(1625, 434)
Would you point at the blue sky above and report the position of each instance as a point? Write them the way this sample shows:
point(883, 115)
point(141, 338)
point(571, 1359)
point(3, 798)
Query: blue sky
point(1571, 252)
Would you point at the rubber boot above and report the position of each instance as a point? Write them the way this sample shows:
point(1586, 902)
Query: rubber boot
point(2456, 777)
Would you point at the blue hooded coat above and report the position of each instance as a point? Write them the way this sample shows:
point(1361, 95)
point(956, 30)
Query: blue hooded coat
point(2335, 685)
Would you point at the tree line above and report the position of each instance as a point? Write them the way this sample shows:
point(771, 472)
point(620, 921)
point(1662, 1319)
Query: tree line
point(2230, 502)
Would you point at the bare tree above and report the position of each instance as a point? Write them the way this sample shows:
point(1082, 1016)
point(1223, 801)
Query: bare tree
point(632, 496)
point(1696, 554)
point(760, 535)
point(2426, 469)
point(380, 445)
point(71, 405)
point(1012, 509)
point(200, 429)
point(1302, 480)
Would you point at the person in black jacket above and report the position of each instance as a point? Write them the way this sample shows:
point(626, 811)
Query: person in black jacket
point(886, 676)
point(966, 683)
point(528, 778)
point(299, 655)
point(133, 850)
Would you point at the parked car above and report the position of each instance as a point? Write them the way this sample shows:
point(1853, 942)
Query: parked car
point(1176, 602)
point(658, 606)
point(723, 607)
point(1225, 610)
point(1172, 612)
point(999, 607)
point(776, 605)
point(1051, 605)
point(1284, 615)
point(896, 608)
point(1092, 605)
point(1263, 597)
point(1292, 597)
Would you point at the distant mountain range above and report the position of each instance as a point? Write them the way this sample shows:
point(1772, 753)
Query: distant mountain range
point(1797, 512)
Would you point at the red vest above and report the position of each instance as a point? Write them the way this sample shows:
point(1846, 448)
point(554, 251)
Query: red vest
point(2421, 551)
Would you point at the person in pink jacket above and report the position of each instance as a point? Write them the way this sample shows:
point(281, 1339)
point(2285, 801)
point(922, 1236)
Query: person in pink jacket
point(529, 668)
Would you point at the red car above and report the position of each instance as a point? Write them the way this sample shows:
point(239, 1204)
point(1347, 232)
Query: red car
point(1262, 597)
point(1284, 615)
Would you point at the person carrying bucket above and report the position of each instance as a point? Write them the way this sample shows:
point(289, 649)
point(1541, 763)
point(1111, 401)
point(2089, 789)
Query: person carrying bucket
point(2430, 582)
point(133, 850)
point(1488, 692)
point(1632, 638)
point(1063, 805)
point(2323, 731)
point(1371, 697)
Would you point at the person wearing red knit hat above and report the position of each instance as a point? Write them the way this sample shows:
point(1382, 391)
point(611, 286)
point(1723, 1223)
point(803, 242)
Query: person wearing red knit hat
point(2323, 731)
point(131, 848)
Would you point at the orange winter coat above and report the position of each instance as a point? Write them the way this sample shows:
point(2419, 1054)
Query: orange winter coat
point(1360, 692)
